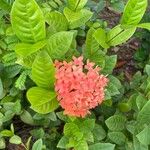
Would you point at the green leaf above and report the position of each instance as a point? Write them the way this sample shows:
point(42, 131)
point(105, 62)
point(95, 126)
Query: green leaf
point(15, 140)
point(28, 21)
point(144, 136)
point(72, 130)
point(59, 44)
point(110, 63)
point(118, 5)
point(144, 26)
point(76, 4)
point(56, 21)
point(2, 143)
point(143, 115)
point(63, 142)
point(102, 146)
point(27, 118)
point(99, 133)
point(77, 18)
point(134, 12)
point(82, 145)
point(140, 101)
point(38, 145)
point(42, 101)
point(91, 45)
point(6, 133)
point(43, 71)
point(4, 5)
point(147, 69)
point(100, 36)
point(1, 87)
point(24, 49)
point(119, 36)
point(117, 137)
point(116, 122)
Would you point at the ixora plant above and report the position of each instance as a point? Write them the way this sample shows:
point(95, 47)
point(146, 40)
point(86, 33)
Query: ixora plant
point(69, 80)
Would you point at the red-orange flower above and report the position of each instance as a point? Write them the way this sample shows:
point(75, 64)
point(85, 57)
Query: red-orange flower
point(79, 87)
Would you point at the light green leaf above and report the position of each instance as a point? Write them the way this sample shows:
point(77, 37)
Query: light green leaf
point(43, 71)
point(76, 4)
point(2, 143)
point(6, 133)
point(63, 142)
point(56, 21)
point(78, 18)
point(117, 137)
point(24, 49)
point(134, 12)
point(42, 101)
point(38, 145)
point(116, 122)
point(143, 116)
point(140, 101)
point(144, 26)
point(144, 136)
point(59, 44)
point(91, 45)
point(147, 69)
point(15, 140)
point(100, 36)
point(28, 21)
point(102, 146)
point(116, 39)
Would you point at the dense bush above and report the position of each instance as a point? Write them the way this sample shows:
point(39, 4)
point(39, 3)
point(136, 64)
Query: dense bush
point(56, 74)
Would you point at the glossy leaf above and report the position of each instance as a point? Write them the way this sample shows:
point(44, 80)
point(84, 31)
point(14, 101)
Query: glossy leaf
point(24, 49)
point(43, 71)
point(134, 12)
point(76, 4)
point(42, 101)
point(101, 38)
point(56, 21)
point(144, 26)
point(15, 140)
point(59, 44)
point(77, 18)
point(28, 21)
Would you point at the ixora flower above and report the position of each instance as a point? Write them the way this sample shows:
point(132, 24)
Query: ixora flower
point(79, 86)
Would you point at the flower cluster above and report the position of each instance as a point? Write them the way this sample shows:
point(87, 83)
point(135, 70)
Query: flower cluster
point(79, 86)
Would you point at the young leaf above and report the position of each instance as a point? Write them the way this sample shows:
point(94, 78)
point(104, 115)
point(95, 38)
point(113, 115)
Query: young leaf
point(15, 140)
point(144, 26)
point(82, 145)
point(6, 133)
point(116, 122)
point(91, 45)
point(1, 88)
point(24, 49)
point(28, 21)
point(57, 21)
point(102, 146)
point(43, 71)
point(38, 145)
point(78, 18)
point(100, 36)
point(76, 4)
point(59, 44)
point(2, 143)
point(121, 37)
point(134, 12)
point(42, 101)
